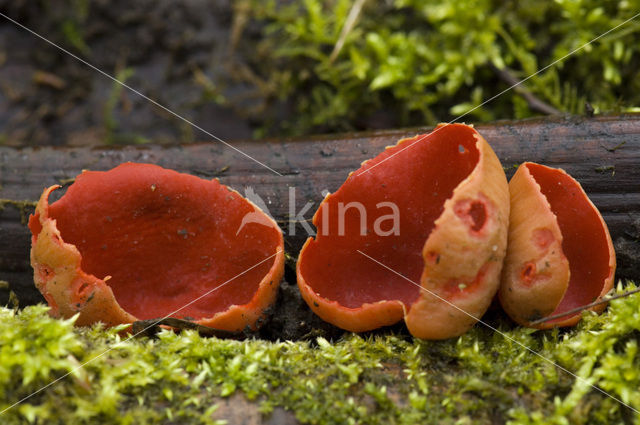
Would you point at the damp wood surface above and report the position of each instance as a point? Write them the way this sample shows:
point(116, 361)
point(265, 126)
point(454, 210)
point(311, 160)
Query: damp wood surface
point(602, 153)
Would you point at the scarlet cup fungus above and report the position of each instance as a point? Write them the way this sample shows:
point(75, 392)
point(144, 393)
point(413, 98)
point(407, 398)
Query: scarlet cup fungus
point(140, 242)
point(452, 202)
point(560, 254)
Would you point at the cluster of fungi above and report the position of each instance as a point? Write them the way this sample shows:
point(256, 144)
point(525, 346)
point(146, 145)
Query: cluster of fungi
point(140, 242)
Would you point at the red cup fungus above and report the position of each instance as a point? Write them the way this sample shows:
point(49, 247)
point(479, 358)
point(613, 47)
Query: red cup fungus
point(434, 209)
point(140, 242)
point(559, 255)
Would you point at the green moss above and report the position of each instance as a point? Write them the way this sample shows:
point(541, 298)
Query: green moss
point(111, 109)
point(25, 207)
point(605, 169)
point(480, 377)
point(425, 61)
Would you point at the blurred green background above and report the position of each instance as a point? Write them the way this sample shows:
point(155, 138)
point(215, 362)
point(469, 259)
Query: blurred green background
point(254, 68)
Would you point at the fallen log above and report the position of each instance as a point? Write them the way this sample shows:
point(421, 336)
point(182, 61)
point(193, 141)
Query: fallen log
point(602, 153)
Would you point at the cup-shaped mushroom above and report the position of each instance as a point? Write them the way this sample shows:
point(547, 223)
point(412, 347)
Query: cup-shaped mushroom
point(560, 256)
point(141, 242)
point(419, 232)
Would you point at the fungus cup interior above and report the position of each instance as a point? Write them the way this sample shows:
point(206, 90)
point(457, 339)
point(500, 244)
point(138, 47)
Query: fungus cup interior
point(417, 180)
point(166, 238)
point(584, 242)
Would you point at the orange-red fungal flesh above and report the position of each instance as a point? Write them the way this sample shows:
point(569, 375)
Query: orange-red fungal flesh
point(569, 261)
point(435, 184)
point(141, 242)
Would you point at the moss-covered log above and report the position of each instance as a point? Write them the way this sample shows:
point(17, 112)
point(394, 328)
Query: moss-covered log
point(482, 377)
point(602, 153)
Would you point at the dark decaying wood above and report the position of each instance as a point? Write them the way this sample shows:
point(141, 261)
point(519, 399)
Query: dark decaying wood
point(603, 153)
point(150, 327)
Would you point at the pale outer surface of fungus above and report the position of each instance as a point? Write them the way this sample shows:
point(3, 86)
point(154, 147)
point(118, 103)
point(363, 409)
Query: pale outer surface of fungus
point(468, 267)
point(60, 279)
point(69, 290)
point(536, 271)
point(465, 255)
